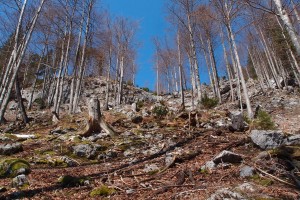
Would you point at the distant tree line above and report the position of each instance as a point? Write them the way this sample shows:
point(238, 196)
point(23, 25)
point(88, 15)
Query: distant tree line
point(54, 44)
point(259, 39)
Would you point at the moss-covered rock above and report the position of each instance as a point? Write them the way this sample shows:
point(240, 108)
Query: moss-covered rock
point(14, 167)
point(72, 181)
point(102, 191)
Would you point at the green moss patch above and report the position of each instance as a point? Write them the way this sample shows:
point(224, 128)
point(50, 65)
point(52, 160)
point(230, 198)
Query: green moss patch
point(102, 191)
point(14, 167)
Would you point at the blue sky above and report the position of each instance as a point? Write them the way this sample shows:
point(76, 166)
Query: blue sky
point(151, 18)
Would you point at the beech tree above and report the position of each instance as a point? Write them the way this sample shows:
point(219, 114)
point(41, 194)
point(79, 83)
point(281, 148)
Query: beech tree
point(17, 55)
point(228, 10)
point(183, 12)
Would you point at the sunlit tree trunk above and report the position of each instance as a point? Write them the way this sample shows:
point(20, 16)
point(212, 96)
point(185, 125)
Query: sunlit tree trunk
point(180, 66)
point(238, 63)
point(287, 24)
point(227, 66)
point(18, 55)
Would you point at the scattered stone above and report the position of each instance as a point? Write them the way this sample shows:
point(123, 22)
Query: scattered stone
point(20, 181)
point(227, 157)
point(145, 113)
point(237, 120)
point(86, 150)
point(130, 191)
point(9, 149)
point(247, 171)
point(70, 162)
point(226, 194)
point(224, 89)
point(270, 139)
point(150, 168)
point(293, 140)
point(246, 187)
point(12, 105)
point(58, 131)
point(108, 155)
point(209, 165)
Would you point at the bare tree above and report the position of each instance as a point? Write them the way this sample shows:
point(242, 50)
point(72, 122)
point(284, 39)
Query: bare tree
point(20, 46)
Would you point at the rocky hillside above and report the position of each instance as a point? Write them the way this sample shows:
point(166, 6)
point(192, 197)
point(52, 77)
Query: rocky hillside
point(160, 152)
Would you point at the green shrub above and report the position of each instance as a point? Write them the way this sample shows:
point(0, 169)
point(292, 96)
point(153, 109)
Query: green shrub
point(102, 191)
point(160, 111)
point(140, 104)
point(41, 103)
point(146, 89)
point(209, 103)
point(263, 121)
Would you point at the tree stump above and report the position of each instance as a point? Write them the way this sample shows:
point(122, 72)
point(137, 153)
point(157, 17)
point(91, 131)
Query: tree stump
point(95, 121)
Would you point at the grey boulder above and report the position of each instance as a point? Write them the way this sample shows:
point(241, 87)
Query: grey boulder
point(9, 149)
point(20, 181)
point(267, 139)
point(237, 121)
point(247, 171)
point(227, 157)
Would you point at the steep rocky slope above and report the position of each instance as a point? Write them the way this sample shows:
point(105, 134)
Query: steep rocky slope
point(160, 152)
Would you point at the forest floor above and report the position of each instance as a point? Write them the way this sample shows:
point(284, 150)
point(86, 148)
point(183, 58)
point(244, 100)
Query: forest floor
point(153, 159)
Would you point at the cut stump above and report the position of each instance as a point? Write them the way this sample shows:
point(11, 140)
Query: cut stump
point(95, 121)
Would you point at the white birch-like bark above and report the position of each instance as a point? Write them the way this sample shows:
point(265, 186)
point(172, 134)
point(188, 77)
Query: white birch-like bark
point(195, 66)
point(82, 61)
point(208, 64)
point(17, 61)
point(237, 59)
point(227, 66)
point(108, 76)
point(214, 70)
point(180, 68)
point(287, 24)
point(75, 70)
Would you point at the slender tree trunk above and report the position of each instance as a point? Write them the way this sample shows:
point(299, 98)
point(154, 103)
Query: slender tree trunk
point(227, 66)
point(233, 43)
point(180, 71)
point(288, 25)
point(17, 62)
point(257, 70)
point(75, 72)
point(195, 60)
point(108, 78)
point(35, 80)
point(20, 101)
point(208, 64)
point(83, 56)
point(120, 91)
point(214, 70)
point(192, 74)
